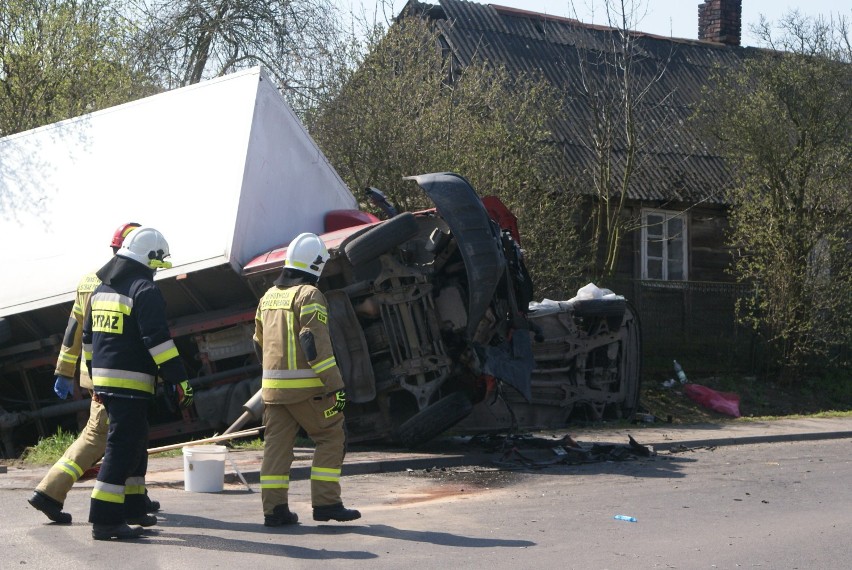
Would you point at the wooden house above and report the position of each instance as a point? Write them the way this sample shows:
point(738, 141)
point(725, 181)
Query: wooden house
point(674, 267)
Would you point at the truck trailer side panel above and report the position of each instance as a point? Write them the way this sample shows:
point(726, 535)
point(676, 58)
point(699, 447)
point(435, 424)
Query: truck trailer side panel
point(223, 168)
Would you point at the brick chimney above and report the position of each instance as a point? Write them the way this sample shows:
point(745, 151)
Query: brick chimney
point(720, 21)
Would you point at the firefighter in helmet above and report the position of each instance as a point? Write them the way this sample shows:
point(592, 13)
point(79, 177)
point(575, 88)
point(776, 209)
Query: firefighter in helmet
point(301, 387)
point(126, 345)
point(88, 448)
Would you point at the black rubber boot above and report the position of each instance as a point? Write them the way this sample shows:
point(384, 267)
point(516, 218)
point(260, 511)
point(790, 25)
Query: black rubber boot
point(144, 520)
point(119, 531)
point(335, 512)
point(51, 508)
point(151, 506)
point(280, 516)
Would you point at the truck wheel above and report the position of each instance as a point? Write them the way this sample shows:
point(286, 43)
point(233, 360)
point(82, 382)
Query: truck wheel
point(380, 239)
point(435, 419)
point(630, 368)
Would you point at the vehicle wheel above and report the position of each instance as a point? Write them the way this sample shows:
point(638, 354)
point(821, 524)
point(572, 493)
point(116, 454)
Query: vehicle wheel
point(630, 367)
point(380, 239)
point(435, 419)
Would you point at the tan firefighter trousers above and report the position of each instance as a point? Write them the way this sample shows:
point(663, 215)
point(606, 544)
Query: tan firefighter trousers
point(282, 425)
point(86, 450)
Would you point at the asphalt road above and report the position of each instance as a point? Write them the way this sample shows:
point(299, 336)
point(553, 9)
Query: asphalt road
point(777, 505)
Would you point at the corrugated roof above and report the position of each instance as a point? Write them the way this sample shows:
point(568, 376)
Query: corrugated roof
point(678, 165)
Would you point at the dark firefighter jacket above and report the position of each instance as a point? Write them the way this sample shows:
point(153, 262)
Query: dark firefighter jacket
point(126, 339)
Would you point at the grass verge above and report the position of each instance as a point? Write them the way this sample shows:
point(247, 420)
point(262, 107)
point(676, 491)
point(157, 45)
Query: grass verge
point(48, 449)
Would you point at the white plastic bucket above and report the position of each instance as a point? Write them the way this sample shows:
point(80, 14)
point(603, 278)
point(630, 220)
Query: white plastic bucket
point(204, 468)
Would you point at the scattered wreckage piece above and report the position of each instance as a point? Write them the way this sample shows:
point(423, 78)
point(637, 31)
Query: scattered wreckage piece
point(531, 452)
point(680, 448)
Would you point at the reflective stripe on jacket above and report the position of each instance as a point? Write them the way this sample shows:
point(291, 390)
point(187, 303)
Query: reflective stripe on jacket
point(289, 321)
point(72, 340)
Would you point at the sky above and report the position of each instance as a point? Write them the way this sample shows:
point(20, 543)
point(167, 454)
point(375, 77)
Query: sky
point(677, 18)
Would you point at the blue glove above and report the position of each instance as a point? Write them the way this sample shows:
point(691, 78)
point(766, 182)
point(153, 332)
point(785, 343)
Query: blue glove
point(63, 387)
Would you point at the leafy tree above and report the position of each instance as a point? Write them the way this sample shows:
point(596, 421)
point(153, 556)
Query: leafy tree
point(300, 42)
point(783, 119)
point(409, 110)
point(63, 58)
point(628, 113)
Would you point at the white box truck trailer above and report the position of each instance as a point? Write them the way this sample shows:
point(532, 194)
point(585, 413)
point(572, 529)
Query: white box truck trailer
point(224, 169)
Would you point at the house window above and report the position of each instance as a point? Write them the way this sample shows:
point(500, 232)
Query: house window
point(664, 245)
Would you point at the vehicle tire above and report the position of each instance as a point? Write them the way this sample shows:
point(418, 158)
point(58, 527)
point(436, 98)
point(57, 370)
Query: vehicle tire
point(435, 419)
point(630, 367)
point(380, 239)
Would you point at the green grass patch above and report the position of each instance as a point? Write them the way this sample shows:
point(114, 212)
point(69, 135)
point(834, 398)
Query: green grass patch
point(826, 414)
point(255, 444)
point(169, 453)
point(49, 449)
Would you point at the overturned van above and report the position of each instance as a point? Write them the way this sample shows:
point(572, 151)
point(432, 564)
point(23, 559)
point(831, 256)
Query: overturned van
point(431, 320)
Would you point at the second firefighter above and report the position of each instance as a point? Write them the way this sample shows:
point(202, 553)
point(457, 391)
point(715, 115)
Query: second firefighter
point(301, 387)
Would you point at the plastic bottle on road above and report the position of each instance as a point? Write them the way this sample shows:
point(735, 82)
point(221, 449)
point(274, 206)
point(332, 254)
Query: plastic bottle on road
point(681, 375)
point(624, 518)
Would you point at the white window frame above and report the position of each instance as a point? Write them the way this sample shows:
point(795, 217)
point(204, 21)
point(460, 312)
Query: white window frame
point(661, 229)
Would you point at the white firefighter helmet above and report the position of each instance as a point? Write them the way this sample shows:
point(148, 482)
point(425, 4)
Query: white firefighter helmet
point(307, 253)
point(146, 246)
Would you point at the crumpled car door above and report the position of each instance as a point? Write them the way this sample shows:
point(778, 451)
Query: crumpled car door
point(478, 240)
